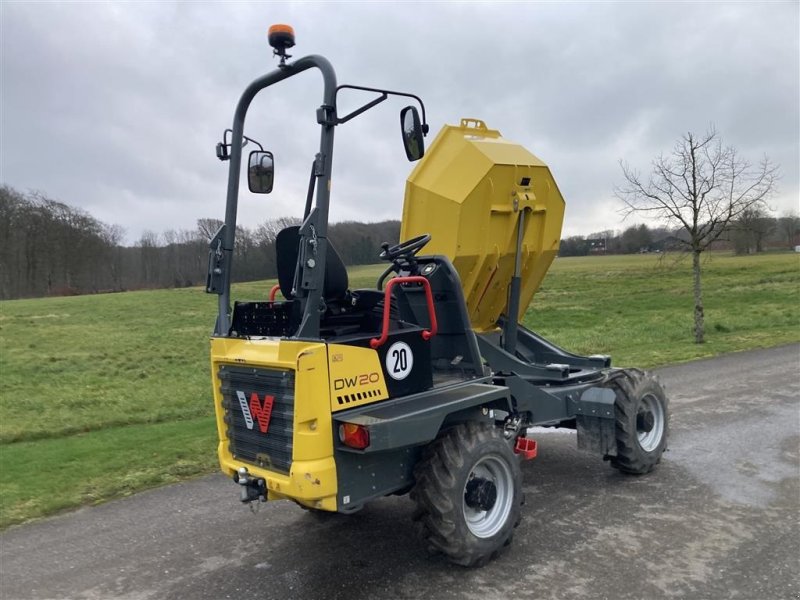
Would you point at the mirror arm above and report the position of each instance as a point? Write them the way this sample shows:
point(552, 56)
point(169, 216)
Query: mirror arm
point(247, 139)
point(385, 93)
point(363, 109)
point(222, 147)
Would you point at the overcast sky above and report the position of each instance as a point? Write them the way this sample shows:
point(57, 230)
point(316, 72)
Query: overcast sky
point(116, 108)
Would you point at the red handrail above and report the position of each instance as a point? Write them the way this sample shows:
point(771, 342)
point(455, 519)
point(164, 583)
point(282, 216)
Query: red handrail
point(427, 334)
point(273, 292)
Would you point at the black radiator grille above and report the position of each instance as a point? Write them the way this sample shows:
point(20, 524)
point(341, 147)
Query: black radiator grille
point(273, 449)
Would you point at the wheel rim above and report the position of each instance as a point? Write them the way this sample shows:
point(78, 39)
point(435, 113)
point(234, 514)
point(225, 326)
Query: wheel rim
point(650, 423)
point(488, 496)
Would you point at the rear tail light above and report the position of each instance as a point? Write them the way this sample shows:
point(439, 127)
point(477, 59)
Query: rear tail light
point(355, 436)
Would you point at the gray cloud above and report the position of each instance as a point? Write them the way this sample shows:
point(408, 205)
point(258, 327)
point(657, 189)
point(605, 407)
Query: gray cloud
point(125, 102)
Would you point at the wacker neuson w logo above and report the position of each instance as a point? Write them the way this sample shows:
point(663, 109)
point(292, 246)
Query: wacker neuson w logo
point(262, 413)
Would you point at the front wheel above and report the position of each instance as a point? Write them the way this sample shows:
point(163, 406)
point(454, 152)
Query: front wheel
point(468, 494)
point(641, 421)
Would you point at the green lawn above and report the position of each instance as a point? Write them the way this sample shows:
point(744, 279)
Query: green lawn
point(108, 394)
point(639, 308)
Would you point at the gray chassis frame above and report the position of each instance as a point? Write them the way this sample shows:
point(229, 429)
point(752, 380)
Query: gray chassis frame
point(571, 393)
point(532, 381)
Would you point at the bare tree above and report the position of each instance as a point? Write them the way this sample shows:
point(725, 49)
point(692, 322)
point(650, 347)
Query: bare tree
point(790, 226)
point(148, 246)
point(636, 238)
point(269, 229)
point(699, 188)
point(113, 236)
point(208, 228)
point(750, 230)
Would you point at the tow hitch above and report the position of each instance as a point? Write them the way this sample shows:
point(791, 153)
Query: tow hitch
point(253, 488)
point(526, 448)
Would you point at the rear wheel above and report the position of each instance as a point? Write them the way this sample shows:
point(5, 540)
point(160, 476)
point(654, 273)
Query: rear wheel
point(468, 494)
point(641, 421)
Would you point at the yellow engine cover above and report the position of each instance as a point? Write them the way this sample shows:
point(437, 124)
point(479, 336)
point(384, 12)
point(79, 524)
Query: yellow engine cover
point(467, 192)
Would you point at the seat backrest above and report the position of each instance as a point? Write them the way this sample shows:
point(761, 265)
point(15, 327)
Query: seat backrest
point(287, 247)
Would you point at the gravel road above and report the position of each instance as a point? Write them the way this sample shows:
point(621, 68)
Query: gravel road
point(718, 519)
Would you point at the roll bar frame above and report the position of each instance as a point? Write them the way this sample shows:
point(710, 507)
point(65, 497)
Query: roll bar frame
point(312, 256)
point(314, 230)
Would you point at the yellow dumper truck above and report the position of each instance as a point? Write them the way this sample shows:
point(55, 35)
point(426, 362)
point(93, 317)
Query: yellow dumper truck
point(427, 383)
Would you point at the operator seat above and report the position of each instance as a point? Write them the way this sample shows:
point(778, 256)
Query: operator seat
point(287, 247)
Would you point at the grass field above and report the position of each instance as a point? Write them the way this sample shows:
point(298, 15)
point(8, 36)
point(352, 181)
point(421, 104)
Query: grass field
point(105, 395)
point(639, 308)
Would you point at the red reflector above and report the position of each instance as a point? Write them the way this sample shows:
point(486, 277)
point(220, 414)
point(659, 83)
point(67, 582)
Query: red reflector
point(355, 436)
point(526, 447)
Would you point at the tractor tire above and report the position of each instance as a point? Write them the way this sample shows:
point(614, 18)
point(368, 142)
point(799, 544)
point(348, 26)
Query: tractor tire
point(468, 494)
point(641, 413)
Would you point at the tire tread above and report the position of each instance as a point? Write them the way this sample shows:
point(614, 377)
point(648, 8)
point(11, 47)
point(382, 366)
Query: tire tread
point(630, 385)
point(437, 516)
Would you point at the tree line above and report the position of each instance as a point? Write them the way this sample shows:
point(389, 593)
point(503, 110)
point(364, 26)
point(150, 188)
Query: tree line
point(52, 249)
point(754, 231)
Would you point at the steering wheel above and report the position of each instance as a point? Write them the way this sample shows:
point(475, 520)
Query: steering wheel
point(402, 255)
point(407, 249)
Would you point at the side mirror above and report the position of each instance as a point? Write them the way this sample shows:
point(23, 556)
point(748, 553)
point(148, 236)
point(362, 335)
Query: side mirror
point(412, 133)
point(260, 172)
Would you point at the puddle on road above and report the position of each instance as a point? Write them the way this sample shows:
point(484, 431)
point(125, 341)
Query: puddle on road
point(742, 461)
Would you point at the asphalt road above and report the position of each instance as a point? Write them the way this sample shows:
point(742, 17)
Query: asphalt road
point(717, 519)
